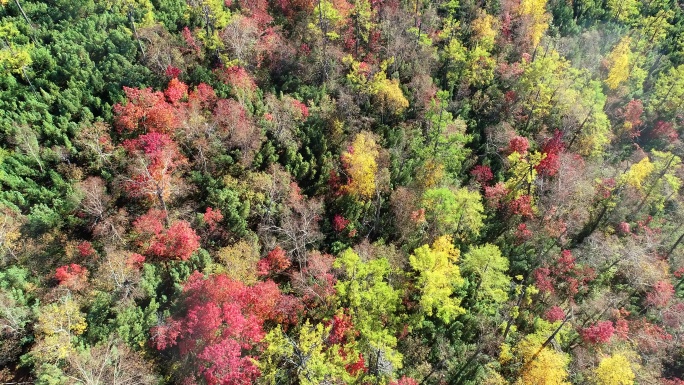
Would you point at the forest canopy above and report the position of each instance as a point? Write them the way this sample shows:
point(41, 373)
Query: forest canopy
point(371, 192)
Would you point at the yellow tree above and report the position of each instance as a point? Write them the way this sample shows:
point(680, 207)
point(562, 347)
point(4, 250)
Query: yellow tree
point(58, 324)
point(619, 61)
point(614, 370)
point(485, 30)
point(536, 17)
point(360, 162)
point(541, 364)
point(438, 277)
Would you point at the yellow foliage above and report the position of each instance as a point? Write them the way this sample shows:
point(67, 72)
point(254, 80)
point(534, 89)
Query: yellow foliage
point(361, 165)
point(431, 174)
point(638, 173)
point(484, 29)
point(386, 92)
point(389, 94)
point(438, 277)
point(618, 63)
point(240, 261)
point(57, 324)
point(535, 10)
point(614, 370)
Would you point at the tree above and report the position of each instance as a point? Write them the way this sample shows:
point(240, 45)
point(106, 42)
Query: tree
point(625, 11)
point(110, 362)
point(148, 111)
point(540, 364)
point(619, 63)
point(360, 162)
point(489, 266)
point(458, 211)
point(438, 277)
point(58, 325)
point(668, 95)
point(614, 370)
point(218, 334)
point(176, 241)
point(154, 159)
point(373, 305)
point(313, 356)
point(536, 19)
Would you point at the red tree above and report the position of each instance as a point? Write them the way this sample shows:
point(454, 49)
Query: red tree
point(149, 111)
point(601, 332)
point(154, 159)
point(73, 276)
point(219, 332)
point(179, 241)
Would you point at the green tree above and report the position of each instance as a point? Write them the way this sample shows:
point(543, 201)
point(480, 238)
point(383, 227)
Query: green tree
point(455, 211)
point(489, 266)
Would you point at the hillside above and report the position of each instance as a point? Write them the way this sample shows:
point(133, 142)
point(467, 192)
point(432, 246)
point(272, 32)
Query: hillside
point(328, 192)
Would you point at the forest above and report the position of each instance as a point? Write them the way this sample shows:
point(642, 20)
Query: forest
point(342, 192)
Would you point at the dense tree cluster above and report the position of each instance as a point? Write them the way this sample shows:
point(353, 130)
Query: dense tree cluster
point(386, 192)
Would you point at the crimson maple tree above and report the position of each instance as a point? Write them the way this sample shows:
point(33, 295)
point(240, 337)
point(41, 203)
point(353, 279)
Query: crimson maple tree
point(218, 333)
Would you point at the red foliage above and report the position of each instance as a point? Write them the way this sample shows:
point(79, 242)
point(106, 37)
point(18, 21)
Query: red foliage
point(555, 313)
point(301, 107)
point(673, 316)
point(523, 233)
point(356, 367)
point(86, 250)
point(564, 276)
point(222, 322)
point(172, 71)
point(518, 144)
point(664, 131)
point(632, 115)
point(342, 330)
point(276, 261)
point(404, 381)
point(154, 158)
point(601, 332)
point(146, 111)
point(622, 328)
point(238, 78)
point(671, 381)
point(679, 273)
point(315, 283)
point(522, 206)
point(551, 163)
point(179, 241)
point(258, 10)
point(649, 338)
point(624, 228)
point(339, 223)
point(543, 280)
point(482, 174)
point(212, 217)
point(135, 261)
point(236, 124)
point(175, 91)
point(73, 276)
point(660, 296)
point(190, 40)
point(495, 194)
point(203, 95)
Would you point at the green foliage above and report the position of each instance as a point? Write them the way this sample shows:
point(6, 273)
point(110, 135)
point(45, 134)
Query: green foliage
point(374, 305)
point(453, 211)
point(489, 266)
